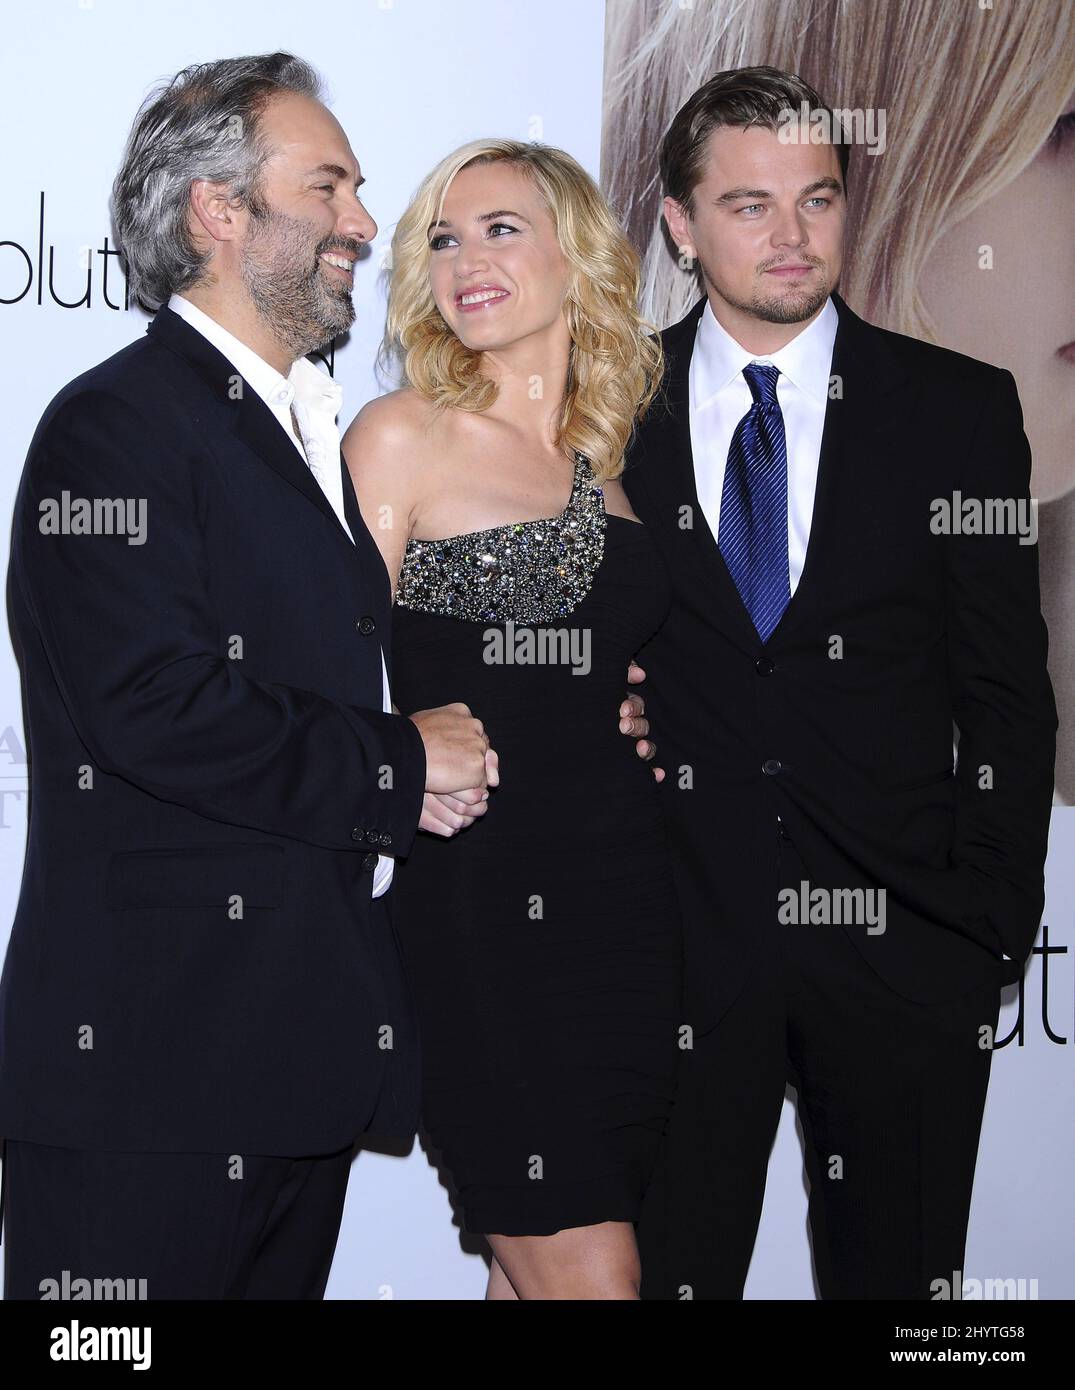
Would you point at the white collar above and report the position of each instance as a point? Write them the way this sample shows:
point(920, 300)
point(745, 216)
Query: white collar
point(806, 361)
point(313, 386)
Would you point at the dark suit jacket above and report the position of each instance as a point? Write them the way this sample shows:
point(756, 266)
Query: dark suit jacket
point(854, 752)
point(206, 739)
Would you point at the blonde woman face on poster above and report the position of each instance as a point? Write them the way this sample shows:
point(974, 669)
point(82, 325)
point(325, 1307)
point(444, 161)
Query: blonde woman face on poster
point(1020, 313)
point(766, 225)
point(496, 269)
point(971, 92)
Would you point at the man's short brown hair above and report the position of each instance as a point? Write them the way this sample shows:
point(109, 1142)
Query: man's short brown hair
point(739, 97)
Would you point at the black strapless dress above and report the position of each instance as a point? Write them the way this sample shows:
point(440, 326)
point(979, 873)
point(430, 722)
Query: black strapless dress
point(542, 943)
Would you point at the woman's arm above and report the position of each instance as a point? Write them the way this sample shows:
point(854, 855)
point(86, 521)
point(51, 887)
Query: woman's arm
point(383, 453)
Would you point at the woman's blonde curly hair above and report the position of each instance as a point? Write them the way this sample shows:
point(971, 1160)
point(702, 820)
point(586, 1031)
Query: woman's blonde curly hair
point(615, 363)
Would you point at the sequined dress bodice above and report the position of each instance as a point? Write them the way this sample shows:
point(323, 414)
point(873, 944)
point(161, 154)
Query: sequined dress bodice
point(528, 571)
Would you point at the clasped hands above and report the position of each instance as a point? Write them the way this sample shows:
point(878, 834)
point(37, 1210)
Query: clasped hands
point(461, 766)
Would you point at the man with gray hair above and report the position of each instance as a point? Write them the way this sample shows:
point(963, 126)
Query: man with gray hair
point(202, 1004)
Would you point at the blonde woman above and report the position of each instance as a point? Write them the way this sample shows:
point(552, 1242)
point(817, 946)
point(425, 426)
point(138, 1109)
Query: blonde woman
point(959, 232)
point(543, 944)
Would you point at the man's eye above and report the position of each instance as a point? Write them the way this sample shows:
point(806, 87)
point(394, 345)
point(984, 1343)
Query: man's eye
point(329, 187)
point(823, 202)
point(751, 207)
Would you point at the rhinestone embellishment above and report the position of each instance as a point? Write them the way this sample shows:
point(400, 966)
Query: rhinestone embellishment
point(524, 571)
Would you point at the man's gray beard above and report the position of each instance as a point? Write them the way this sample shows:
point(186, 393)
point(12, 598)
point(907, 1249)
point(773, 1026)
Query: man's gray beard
point(295, 302)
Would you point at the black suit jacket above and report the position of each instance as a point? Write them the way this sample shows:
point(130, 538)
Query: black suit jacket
point(191, 965)
point(854, 752)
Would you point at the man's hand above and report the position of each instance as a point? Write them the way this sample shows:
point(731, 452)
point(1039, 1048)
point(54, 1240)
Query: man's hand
point(456, 747)
point(634, 723)
point(446, 813)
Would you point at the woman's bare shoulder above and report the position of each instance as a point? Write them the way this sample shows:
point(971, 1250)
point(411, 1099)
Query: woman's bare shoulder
point(400, 419)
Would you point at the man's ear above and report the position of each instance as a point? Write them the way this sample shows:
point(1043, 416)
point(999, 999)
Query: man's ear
point(678, 223)
point(219, 213)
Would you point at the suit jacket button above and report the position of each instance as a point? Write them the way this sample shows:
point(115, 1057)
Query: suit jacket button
point(356, 834)
point(764, 666)
point(386, 839)
point(373, 837)
point(369, 863)
point(771, 766)
point(366, 625)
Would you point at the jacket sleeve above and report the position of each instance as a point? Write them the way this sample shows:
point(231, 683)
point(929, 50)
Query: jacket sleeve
point(132, 640)
point(1002, 698)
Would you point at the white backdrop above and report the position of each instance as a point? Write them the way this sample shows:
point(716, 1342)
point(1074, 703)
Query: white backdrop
point(409, 80)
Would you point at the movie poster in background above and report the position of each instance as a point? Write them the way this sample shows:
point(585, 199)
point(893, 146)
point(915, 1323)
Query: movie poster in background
point(961, 209)
point(409, 81)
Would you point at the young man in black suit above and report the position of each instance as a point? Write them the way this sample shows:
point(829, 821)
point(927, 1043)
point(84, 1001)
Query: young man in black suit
point(853, 903)
point(202, 1003)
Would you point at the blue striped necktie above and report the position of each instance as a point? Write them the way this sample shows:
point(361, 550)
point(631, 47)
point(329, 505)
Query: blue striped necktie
point(753, 524)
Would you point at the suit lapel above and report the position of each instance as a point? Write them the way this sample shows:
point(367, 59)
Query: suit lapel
point(253, 423)
point(867, 408)
point(671, 482)
point(369, 555)
point(868, 396)
point(350, 502)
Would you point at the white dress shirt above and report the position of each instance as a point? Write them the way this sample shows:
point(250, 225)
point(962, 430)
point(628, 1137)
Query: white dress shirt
point(316, 399)
point(720, 397)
